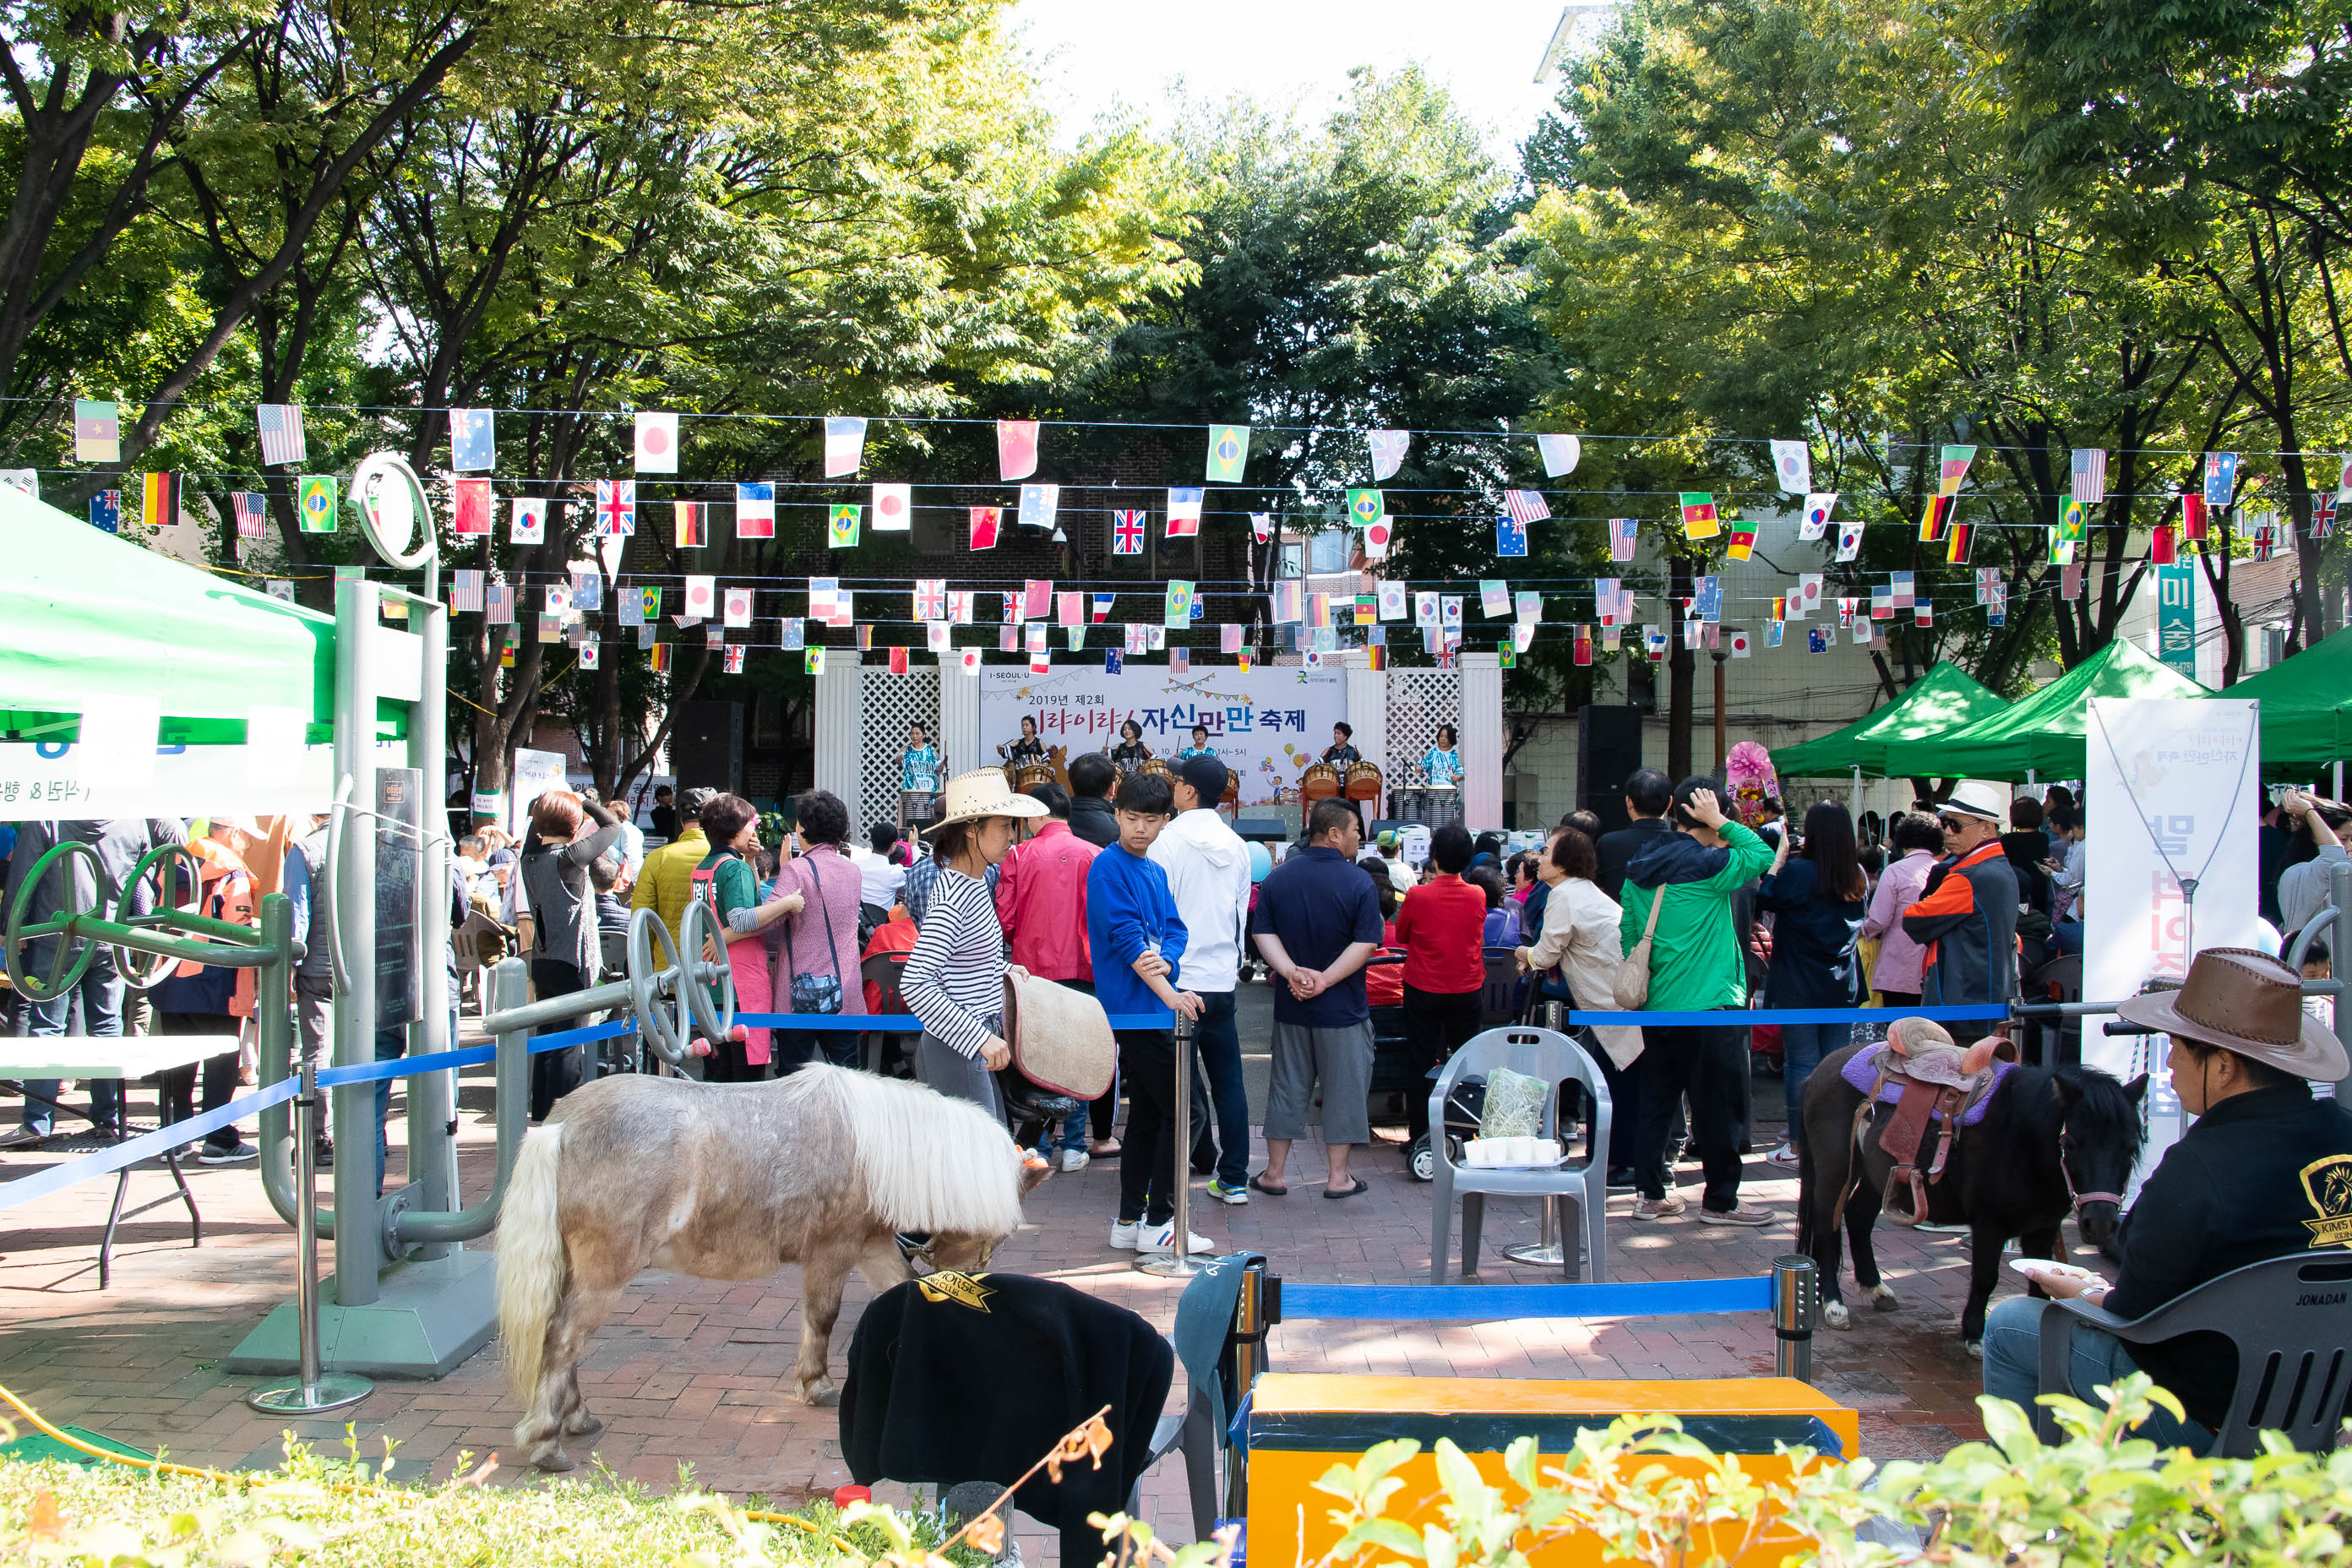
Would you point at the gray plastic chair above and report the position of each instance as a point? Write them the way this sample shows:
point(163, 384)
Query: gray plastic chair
point(1204, 1320)
point(1555, 1059)
point(2291, 1321)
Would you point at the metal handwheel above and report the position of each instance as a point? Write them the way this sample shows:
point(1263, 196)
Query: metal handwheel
point(128, 960)
point(699, 975)
point(662, 1012)
point(64, 972)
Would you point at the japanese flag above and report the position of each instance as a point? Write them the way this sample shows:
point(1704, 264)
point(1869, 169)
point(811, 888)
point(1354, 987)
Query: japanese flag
point(657, 443)
point(739, 606)
point(894, 508)
point(701, 597)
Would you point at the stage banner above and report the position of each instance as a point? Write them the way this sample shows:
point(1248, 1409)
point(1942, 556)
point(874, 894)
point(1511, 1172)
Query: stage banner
point(43, 780)
point(1267, 725)
point(2169, 867)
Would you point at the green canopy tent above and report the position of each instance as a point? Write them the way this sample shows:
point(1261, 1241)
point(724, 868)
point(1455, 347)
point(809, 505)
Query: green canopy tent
point(2306, 707)
point(1943, 700)
point(2041, 737)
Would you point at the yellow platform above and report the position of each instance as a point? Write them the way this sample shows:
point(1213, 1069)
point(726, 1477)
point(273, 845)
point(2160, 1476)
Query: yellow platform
point(1301, 1425)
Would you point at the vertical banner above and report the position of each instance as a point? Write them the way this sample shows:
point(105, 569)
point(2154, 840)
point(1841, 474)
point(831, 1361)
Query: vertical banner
point(2170, 784)
point(2176, 619)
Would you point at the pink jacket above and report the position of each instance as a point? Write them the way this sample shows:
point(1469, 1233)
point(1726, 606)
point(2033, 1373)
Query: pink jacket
point(842, 885)
point(1901, 961)
point(1041, 901)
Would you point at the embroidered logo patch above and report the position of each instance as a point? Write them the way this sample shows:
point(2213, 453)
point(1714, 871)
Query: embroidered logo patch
point(2328, 1184)
point(963, 1290)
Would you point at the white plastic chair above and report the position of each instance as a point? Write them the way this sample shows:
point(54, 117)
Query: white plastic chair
point(1555, 1059)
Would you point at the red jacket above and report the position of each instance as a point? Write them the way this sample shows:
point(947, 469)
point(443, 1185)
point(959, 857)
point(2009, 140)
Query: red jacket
point(1041, 901)
point(1442, 924)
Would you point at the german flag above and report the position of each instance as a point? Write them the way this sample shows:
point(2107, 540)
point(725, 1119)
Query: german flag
point(660, 652)
point(1931, 523)
point(1956, 543)
point(162, 494)
point(690, 525)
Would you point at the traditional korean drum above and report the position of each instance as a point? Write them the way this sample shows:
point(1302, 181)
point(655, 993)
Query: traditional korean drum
point(1321, 782)
point(1233, 794)
point(1031, 776)
point(1363, 781)
point(1155, 768)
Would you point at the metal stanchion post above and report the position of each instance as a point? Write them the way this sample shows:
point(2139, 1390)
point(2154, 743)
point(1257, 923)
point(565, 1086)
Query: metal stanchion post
point(1249, 1360)
point(312, 1390)
point(1796, 1308)
point(1174, 1263)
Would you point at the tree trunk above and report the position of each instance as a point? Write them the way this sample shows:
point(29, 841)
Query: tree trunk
point(1681, 674)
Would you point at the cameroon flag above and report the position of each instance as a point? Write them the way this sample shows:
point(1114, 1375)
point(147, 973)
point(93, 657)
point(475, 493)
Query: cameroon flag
point(1699, 519)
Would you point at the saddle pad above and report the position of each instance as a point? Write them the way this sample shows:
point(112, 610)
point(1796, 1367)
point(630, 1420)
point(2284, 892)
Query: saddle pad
point(1862, 1071)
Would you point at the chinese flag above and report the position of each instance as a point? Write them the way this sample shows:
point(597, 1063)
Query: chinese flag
point(985, 520)
point(2161, 550)
point(897, 661)
point(2192, 516)
point(1583, 645)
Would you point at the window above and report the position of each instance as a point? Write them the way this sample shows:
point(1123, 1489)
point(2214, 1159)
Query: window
point(768, 721)
point(1294, 560)
point(1328, 551)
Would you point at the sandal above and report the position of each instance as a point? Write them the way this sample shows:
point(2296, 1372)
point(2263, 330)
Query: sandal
point(1357, 1186)
point(1259, 1183)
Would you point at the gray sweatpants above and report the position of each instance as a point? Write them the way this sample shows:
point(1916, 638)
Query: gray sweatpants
point(1341, 1061)
point(941, 1066)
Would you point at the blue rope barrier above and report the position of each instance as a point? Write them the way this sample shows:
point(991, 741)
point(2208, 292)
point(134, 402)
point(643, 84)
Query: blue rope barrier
point(1466, 1303)
point(908, 1024)
point(405, 1067)
point(1738, 1019)
point(146, 1146)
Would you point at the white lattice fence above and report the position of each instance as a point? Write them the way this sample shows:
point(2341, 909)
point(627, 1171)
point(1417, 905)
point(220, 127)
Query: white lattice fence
point(887, 704)
point(1419, 702)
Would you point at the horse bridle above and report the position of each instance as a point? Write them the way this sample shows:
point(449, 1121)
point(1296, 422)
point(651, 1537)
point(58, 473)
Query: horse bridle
point(2065, 1147)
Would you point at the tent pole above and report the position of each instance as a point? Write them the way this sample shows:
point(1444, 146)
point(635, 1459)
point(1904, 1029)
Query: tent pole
point(2339, 778)
point(1857, 792)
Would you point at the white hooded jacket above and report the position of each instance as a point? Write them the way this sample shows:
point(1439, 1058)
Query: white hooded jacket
point(1208, 876)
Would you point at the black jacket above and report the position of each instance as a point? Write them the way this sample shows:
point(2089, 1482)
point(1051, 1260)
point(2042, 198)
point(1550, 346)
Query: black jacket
point(1091, 818)
point(958, 1378)
point(2260, 1176)
point(1966, 921)
point(1616, 849)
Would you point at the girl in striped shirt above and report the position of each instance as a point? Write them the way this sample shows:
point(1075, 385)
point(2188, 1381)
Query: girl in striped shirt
point(954, 978)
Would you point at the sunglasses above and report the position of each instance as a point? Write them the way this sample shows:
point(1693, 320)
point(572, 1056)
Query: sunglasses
point(1954, 824)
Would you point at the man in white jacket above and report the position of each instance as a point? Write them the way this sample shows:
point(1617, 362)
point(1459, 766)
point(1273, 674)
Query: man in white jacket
point(1208, 876)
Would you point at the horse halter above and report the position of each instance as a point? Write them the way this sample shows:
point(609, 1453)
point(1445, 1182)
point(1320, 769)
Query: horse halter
point(2066, 1147)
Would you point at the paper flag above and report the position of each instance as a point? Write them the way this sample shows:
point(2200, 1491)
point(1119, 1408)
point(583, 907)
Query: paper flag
point(1127, 530)
point(1793, 461)
point(2161, 551)
point(1494, 597)
point(1559, 454)
point(2069, 583)
point(1017, 448)
point(1956, 543)
point(248, 509)
point(894, 508)
point(1816, 640)
point(1290, 601)
point(1068, 609)
point(1581, 638)
point(528, 521)
point(1849, 539)
point(473, 440)
point(317, 503)
point(1036, 598)
point(1366, 507)
point(1242, 661)
point(691, 533)
point(281, 425)
point(1510, 536)
point(938, 636)
point(497, 602)
point(897, 661)
point(1424, 609)
point(931, 598)
point(1706, 598)
point(844, 446)
point(2220, 478)
point(649, 604)
point(1739, 645)
point(701, 597)
point(1604, 601)
point(1699, 521)
point(755, 512)
point(1955, 469)
point(1183, 513)
point(1261, 526)
point(616, 506)
point(813, 659)
point(841, 526)
point(98, 431)
point(1318, 609)
point(106, 511)
point(657, 659)
point(2073, 521)
point(1229, 638)
point(1038, 504)
point(1137, 641)
point(1526, 506)
point(969, 659)
point(1526, 607)
point(657, 443)
point(739, 606)
point(471, 506)
point(1390, 601)
point(2090, 474)
point(1389, 448)
point(1932, 520)
point(985, 522)
point(629, 605)
point(1904, 588)
point(1113, 661)
point(1008, 639)
point(1623, 533)
point(1818, 506)
point(1228, 452)
point(1743, 541)
point(1102, 605)
point(1772, 630)
point(844, 610)
point(1178, 611)
point(1808, 596)
point(2192, 517)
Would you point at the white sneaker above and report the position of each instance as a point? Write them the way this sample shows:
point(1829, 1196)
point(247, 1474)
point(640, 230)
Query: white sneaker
point(1162, 1239)
point(1073, 1159)
point(1784, 1156)
point(1122, 1235)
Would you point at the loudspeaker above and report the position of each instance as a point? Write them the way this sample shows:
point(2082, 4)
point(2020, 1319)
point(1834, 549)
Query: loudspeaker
point(1608, 753)
point(705, 747)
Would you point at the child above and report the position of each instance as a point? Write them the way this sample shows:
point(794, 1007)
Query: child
point(1137, 941)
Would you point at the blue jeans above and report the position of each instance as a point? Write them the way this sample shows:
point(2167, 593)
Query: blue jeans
point(100, 990)
point(1217, 1047)
point(2012, 1368)
point(1802, 1046)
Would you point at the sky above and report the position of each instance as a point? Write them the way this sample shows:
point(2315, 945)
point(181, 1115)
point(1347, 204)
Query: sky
point(1096, 54)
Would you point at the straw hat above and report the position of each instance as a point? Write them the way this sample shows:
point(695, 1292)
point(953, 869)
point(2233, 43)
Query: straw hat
point(983, 793)
point(2245, 1000)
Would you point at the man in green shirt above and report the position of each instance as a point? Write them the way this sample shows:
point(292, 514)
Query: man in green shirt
point(1696, 966)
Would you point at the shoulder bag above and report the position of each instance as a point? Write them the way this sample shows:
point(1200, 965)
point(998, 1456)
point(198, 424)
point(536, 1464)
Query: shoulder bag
point(815, 993)
point(1631, 986)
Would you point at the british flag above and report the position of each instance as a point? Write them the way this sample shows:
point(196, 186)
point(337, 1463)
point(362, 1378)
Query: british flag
point(1525, 506)
point(931, 598)
point(281, 433)
point(616, 507)
point(1127, 533)
point(2323, 516)
point(246, 505)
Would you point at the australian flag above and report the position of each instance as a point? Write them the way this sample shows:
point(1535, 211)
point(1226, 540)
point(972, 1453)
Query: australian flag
point(106, 511)
point(1510, 536)
point(473, 442)
point(1112, 660)
point(1816, 640)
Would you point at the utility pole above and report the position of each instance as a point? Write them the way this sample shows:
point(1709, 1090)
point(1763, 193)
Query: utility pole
point(1722, 749)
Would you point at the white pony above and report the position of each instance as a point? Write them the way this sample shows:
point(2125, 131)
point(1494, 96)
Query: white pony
point(824, 1168)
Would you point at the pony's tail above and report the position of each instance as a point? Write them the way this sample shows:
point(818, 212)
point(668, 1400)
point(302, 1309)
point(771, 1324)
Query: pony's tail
point(531, 1263)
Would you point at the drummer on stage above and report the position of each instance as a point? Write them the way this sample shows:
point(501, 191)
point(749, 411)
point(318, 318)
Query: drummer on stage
point(1027, 752)
point(1342, 748)
point(1130, 755)
point(1443, 764)
point(1199, 746)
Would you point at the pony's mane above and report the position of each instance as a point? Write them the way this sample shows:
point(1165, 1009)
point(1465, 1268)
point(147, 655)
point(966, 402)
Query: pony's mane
point(2101, 1103)
point(970, 1182)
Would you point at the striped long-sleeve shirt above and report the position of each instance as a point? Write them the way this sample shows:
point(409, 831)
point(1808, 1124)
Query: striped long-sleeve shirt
point(954, 978)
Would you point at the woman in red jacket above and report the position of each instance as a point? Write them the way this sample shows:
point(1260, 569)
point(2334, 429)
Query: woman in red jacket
point(1443, 926)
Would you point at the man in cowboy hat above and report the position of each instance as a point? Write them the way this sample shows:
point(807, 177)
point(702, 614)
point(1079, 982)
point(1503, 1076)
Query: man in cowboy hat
point(1968, 921)
point(2265, 1171)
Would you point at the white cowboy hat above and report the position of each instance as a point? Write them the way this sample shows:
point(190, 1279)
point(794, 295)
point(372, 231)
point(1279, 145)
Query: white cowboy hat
point(1974, 797)
point(983, 793)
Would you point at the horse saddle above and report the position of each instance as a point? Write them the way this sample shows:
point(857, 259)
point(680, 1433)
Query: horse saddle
point(1935, 1081)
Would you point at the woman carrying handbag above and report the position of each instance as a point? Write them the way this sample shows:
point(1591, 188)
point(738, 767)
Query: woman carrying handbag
point(818, 973)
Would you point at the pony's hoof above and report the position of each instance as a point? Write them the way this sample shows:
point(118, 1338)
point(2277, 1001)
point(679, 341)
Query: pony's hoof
point(1834, 1314)
point(551, 1457)
point(1883, 1299)
point(820, 1393)
point(582, 1424)
point(1975, 1350)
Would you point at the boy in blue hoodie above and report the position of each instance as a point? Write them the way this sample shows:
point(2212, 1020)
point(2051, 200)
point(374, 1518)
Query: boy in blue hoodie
point(1136, 939)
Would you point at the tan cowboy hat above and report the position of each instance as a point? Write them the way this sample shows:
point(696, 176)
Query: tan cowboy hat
point(983, 793)
point(2245, 1000)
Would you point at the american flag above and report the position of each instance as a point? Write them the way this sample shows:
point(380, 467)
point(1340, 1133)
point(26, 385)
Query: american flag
point(465, 594)
point(1621, 533)
point(1525, 506)
point(500, 603)
point(247, 506)
point(1127, 533)
point(2090, 474)
point(1180, 661)
point(931, 598)
point(281, 433)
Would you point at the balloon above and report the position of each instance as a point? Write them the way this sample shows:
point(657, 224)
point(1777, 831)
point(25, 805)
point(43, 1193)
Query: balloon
point(1260, 862)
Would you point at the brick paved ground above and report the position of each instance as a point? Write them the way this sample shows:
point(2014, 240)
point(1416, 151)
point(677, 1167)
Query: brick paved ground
point(699, 1371)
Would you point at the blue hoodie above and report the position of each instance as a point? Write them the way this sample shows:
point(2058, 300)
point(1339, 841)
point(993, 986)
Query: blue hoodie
point(1129, 907)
